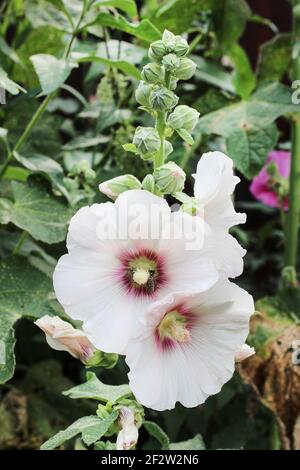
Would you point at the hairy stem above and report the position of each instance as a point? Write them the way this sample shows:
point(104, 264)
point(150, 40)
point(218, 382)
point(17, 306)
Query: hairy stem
point(292, 229)
point(161, 128)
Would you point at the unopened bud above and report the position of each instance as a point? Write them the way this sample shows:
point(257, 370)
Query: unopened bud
point(162, 99)
point(181, 46)
point(116, 186)
point(142, 94)
point(148, 183)
point(169, 178)
point(169, 40)
point(157, 50)
point(186, 69)
point(152, 73)
point(171, 62)
point(183, 117)
point(147, 140)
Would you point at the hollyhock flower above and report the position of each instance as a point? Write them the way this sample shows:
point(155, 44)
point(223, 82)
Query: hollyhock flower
point(128, 436)
point(62, 336)
point(244, 352)
point(267, 187)
point(214, 185)
point(122, 256)
point(185, 350)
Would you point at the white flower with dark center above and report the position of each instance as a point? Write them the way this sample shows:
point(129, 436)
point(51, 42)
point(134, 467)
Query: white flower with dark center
point(62, 336)
point(122, 257)
point(185, 349)
point(214, 185)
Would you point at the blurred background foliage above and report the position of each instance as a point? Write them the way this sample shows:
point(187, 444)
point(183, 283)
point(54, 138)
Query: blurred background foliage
point(243, 54)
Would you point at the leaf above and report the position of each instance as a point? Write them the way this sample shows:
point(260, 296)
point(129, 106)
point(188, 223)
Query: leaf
point(83, 142)
point(275, 57)
point(9, 52)
point(131, 148)
point(144, 30)
point(5, 208)
point(230, 18)
point(248, 125)
point(46, 166)
point(129, 6)
point(48, 13)
point(91, 429)
point(96, 390)
point(196, 443)
point(46, 218)
point(9, 85)
point(52, 72)
point(24, 292)
point(126, 67)
point(213, 74)
point(185, 135)
point(243, 79)
point(154, 430)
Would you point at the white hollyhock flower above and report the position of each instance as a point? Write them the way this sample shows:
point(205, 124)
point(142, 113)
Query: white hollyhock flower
point(244, 352)
point(62, 336)
point(128, 436)
point(185, 350)
point(214, 185)
point(124, 255)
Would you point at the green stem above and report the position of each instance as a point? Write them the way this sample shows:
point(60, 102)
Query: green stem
point(21, 240)
point(291, 245)
point(161, 128)
point(44, 103)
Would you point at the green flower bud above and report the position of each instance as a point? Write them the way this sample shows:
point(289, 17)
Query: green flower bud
point(142, 94)
point(183, 117)
point(186, 69)
point(147, 140)
point(148, 183)
point(169, 178)
point(171, 62)
point(169, 40)
point(157, 50)
point(152, 73)
point(162, 99)
point(168, 148)
point(181, 46)
point(173, 83)
point(112, 188)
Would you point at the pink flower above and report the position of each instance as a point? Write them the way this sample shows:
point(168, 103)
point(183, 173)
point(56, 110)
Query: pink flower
point(267, 189)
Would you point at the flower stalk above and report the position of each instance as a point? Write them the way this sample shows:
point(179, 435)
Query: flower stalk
point(292, 228)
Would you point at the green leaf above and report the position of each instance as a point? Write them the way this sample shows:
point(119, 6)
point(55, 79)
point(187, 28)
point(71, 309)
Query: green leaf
point(5, 209)
point(129, 6)
point(243, 79)
point(91, 429)
point(9, 52)
point(154, 430)
point(96, 390)
point(52, 72)
point(46, 218)
point(86, 141)
point(24, 292)
point(275, 57)
point(248, 125)
point(9, 85)
point(230, 18)
point(46, 166)
point(48, 13)
point(185, 135)
point(144, 30)
point(196, 443)
point(131, 148)
point(213, 74)
point(126, 67)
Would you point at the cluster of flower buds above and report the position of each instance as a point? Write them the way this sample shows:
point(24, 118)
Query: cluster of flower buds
point(156, 96)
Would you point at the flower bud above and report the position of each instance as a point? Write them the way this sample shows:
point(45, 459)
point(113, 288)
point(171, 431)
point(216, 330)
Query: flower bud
point(168, 148)
point(169, 178)
point(171, 62)
point(173, 83)
point(142, 94)
point(169, 40)
point(186, 69)
point(157, 50)
point(112, 188)
point(181, 46)
point(183, 117)
point(147, 140)
point(105, 360)
point(128, 436)
point(162, 99)
point(62, 336)
point(152, 73)
point(148, 183)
